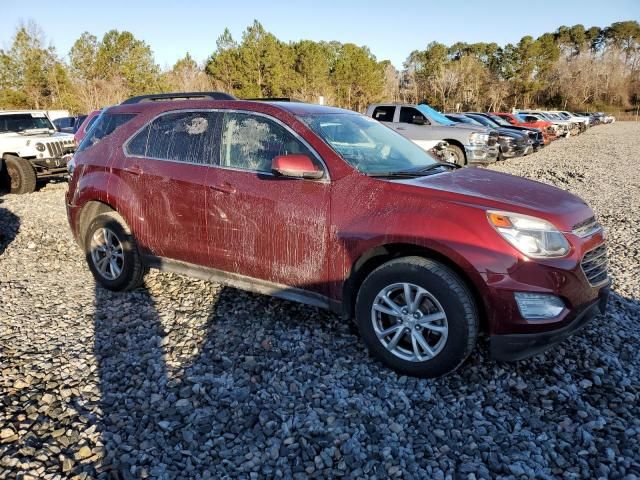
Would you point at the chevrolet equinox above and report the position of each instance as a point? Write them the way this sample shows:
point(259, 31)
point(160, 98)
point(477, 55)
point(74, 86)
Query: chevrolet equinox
point(333, 209)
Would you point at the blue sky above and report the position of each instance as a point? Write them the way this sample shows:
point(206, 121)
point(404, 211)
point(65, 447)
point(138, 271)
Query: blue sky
point(392, 29)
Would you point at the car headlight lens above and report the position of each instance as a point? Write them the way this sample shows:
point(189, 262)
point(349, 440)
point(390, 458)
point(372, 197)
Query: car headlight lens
point(71, 165)
point(40, 147)
point(532, 236)
point(477, 138)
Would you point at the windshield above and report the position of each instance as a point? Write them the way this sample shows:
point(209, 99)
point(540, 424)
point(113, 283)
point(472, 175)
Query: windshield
point(429, 112)
point(500, 121)
point(19, 122)
point(367, 144)
point(483, 120)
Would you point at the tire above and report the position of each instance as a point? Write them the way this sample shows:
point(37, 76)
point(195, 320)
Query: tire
point(458, 153)
point(112, 253)
point(20, 175)
point(450, 339)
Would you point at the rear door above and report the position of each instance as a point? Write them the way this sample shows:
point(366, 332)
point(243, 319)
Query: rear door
point(263, 226)
point(168, 166)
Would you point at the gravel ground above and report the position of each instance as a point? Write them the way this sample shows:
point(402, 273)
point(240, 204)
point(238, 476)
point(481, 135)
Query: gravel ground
point(186, 379)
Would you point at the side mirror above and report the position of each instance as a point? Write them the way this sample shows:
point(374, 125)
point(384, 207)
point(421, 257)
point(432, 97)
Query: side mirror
point(296, 166)
point(419, 120)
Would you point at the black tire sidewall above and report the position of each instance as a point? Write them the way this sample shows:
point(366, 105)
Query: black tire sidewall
point(26, 174)
point(455, 349)
point(129, 250)
point(459, 154)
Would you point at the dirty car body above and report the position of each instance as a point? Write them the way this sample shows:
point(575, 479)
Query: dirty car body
point(331, 208)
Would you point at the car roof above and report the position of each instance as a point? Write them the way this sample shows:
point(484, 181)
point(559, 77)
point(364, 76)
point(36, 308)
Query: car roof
point(295, 108)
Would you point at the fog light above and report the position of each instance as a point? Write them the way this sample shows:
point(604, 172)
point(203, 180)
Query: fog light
point(538, 305)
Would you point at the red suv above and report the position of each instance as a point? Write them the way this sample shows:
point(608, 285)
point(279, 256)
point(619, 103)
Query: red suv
point(331, 208)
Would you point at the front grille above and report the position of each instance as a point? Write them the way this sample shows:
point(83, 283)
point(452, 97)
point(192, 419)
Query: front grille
point(594, 265)
point(58, 148)
point(493, 139)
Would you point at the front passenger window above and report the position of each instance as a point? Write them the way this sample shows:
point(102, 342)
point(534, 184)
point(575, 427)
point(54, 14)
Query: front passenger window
point(251, 142)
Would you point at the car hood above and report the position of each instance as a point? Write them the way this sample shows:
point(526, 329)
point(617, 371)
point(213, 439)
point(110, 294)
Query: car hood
point(471, 128)
point(507, 132)
point(501, 191)
point(37, 136)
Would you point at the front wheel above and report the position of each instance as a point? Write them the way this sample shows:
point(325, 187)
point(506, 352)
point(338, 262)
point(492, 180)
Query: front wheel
point(457, 155)
point(112, 253)
point(20, 175)
point(417, 316)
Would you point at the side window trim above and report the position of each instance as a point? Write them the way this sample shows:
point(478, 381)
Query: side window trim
point(216, 161)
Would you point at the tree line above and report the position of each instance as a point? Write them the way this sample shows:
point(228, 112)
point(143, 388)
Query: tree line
point(573, 67)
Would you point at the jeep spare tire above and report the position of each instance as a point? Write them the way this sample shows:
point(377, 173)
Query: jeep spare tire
point(20, 175)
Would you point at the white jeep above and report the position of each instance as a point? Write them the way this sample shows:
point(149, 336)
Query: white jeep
point(31, 149)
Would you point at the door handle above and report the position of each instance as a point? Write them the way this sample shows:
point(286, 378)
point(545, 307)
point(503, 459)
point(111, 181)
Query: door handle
point(400, 128)
point(225, 187)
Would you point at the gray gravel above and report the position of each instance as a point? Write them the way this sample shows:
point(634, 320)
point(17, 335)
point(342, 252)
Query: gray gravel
point(185, 379)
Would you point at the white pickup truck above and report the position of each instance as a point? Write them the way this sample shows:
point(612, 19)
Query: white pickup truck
point(468, 144)
point(31, 149)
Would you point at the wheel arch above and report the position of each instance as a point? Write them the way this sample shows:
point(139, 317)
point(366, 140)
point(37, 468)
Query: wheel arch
point(376, 256)
point(90, 210)
point(459, 144)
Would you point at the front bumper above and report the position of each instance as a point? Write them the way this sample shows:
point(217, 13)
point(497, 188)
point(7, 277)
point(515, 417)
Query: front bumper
point(481, 154)
point(514, 347)
point(508, 150)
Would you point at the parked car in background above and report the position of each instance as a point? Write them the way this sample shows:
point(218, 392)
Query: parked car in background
point(328, 207)
point(86, 124)
point(421, 123)
point(534, 134)
point(31, 149)
point(512, 144)
point(583, 121)
point(69, 124)
point(549, 131)
point(563, 127)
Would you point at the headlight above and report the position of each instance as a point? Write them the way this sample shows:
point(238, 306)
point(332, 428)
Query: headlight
point(476, 138)
point(530, 235)
point(40, 147)
point(504, 138)
point(71, 165)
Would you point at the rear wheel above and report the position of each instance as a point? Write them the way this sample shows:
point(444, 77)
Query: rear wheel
point(417, 317)
point(457, 155)
point(20, 177)
point(112, 253)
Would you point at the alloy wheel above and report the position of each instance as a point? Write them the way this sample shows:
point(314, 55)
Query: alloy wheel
point(107, 254)
point(409, 322)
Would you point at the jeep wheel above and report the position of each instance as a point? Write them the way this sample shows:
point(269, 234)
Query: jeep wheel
point(112, 253)
point(457, 155)
point(20, 175)
point(417, 317)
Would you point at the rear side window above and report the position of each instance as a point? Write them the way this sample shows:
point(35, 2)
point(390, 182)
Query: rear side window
point(105, 125)
point(187, 137)
point(384, 114)
point(251, 142)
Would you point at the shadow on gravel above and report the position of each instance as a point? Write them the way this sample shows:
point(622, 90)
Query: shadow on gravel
point(277, 389)
point(214, 413)
point(9, 227)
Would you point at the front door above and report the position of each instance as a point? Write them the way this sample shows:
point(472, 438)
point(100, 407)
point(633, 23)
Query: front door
point(263, 226)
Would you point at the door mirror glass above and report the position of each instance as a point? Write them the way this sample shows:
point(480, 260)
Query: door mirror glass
point(419, 120)
point(296, 166)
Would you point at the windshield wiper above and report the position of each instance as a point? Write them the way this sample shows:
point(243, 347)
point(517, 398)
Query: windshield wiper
point(416, 172)
point(398, 174)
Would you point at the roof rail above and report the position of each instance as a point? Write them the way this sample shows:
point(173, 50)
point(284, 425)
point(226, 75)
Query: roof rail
point(159, 97)
point(270, 99)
